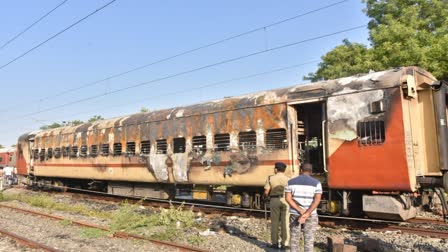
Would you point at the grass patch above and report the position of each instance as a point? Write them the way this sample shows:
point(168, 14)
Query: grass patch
point(66, 222)
point(93, 233)
point(47, 202)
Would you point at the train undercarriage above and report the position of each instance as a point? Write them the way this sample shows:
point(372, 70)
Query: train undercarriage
point(353, 203)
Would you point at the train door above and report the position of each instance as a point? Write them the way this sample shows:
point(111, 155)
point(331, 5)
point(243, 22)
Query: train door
point(309, 133)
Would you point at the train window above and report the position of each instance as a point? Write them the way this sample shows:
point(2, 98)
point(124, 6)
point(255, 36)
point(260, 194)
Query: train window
point(65, 151)
point(36, 153)
point(179, 145)
point(145, 147)
point(1, 160)
point(74, 151)
point(130, 148)
point(83, 151)
point(50, 153)
point(161, 146)
point(93, 150)
point(199, 144)
point(117, 149)
point(247, 140)
point(276, 139)
point(42, 154)
point(57, 152)
point(371, 132)
point(222, 142)
point(104, 149)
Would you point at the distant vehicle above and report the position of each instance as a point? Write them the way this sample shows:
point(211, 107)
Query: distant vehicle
point(7, 157)
point(378, 142)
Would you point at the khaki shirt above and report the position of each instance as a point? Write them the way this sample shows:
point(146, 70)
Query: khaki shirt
point(277, 183)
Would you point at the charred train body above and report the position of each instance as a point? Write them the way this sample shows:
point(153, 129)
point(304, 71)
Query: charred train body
point(377, 141)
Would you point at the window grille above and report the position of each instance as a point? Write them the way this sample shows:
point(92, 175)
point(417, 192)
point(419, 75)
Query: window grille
point(65, 151)
point(161, 146)
point(276, 139)
point(179, 145)
point(42, 154)
point(83, 151)
point(93, 150)
point(74, 151)
point(57, 153)
point(145, 147)
point(247, 140)
point(117, 149)
point(371, 132)
point(105, 150)
point(222, 142)
point(199, 144)
point(130, 148)
point(36, 153)
point(50, 153)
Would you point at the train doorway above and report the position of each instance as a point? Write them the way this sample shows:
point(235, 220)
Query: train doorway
point(310, 134)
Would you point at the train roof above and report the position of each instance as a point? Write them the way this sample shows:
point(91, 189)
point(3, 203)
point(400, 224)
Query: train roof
point(376, 80)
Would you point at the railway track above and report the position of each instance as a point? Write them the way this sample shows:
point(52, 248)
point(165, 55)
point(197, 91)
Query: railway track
point(410, 226)
point(25, 242)
point(84, 224)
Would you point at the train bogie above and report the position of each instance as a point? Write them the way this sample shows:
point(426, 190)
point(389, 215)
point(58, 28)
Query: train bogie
point(370, 138)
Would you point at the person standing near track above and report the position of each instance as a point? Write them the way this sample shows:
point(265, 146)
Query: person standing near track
point(275, 189)
point(303, 195)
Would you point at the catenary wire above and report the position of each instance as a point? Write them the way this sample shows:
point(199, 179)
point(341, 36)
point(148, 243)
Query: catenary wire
point(33, 24)
point(190, 71)
point(113, 76)
point(57, 34)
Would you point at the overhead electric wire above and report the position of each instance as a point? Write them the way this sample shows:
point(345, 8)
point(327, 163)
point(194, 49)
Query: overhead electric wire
point(33, 24)
point(186, 90)
point(192, 70)
point(193, 50)
point(57, 34)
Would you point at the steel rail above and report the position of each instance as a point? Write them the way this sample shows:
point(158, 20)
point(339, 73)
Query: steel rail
point(116, 234)
point(27, 242)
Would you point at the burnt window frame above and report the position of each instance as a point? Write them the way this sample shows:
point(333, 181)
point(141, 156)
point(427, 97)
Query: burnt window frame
point(57, 152)
point(179, 144)
point(117, 149)
point(93, 150)
point(247, 135)
point(83, 151)
point(35, 154)
point(50, 153)
point(274, 142)
point(364, 132)
point(42, 155)
point(202, 140)
point(65, 151)
point(161, 146)
point(224, 142)
point(105, 149)
point(74, 150)
point(130, 148)
point(145, 147)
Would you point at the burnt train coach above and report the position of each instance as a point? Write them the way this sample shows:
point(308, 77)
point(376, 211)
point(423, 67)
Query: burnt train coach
point(378, 142)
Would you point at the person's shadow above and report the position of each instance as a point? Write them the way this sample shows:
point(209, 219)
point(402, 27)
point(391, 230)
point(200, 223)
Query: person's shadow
point(234, 231)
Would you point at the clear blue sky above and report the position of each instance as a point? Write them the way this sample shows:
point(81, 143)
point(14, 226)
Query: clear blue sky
point(130, 33)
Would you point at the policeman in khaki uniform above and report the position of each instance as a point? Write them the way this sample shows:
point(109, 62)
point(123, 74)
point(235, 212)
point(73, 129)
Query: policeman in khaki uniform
point(275, 189)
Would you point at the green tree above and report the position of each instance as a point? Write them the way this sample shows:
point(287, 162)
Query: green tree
point(344, 60)
point(51, 126)
point(402, 33)
point(144, 110)
point(1, 146)
point(95, 118)
point(75, 123)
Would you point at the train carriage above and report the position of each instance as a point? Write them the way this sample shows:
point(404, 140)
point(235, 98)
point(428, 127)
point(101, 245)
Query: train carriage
point(378, 142)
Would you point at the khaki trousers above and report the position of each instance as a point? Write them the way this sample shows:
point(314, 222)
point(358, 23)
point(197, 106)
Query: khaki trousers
point(279, 219)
